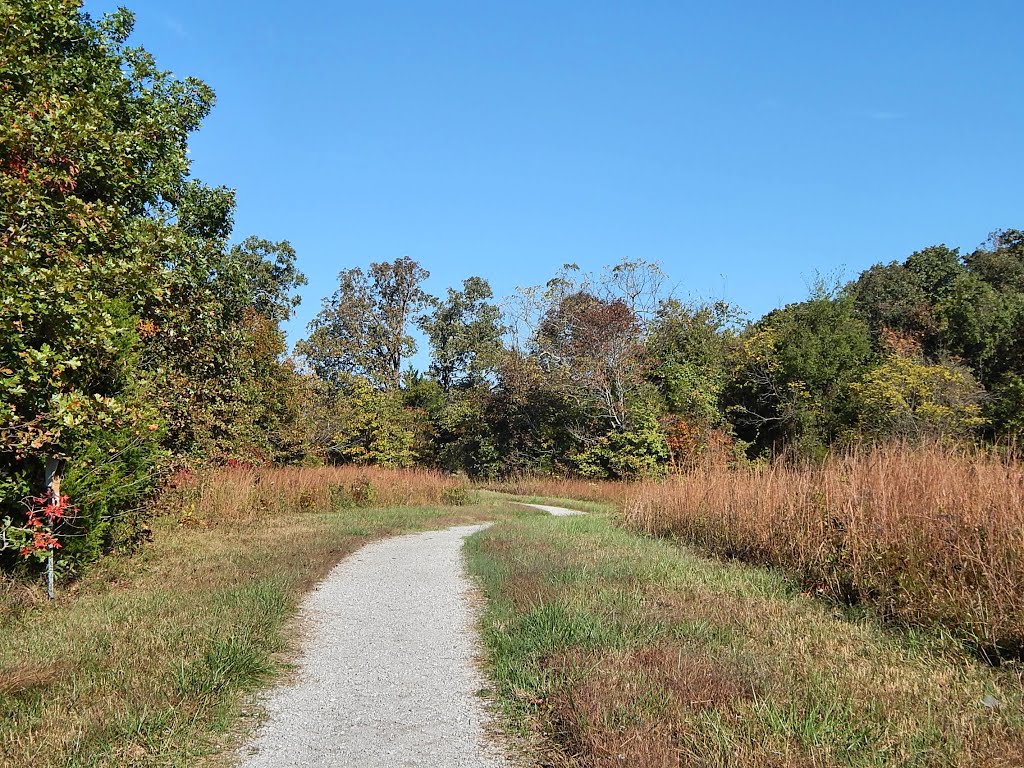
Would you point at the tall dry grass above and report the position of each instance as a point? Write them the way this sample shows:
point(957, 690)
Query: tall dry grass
point(928, 536)
point(580, 489)
point(235, 493)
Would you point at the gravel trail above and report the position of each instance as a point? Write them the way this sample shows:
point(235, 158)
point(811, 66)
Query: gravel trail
point(386, 678)
point(556, 511)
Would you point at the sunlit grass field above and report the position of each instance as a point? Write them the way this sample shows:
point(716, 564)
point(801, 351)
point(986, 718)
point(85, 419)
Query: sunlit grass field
point(615, 649)
point(927, 536)
point(148, 660)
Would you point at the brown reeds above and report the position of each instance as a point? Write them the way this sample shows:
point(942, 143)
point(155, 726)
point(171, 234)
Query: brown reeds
point(232, 493)
point(927, 536)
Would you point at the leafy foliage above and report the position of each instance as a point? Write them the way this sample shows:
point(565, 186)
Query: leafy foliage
point(363, 328)
point(130, 330)
point(909, 398)
point(465, 332)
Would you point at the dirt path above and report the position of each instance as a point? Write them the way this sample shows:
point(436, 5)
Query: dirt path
point(387, 677)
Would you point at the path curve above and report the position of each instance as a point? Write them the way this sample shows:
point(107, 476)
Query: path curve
point(556, 511)
point(387, 676)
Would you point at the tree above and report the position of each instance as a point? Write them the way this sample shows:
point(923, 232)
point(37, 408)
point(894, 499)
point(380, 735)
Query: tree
point(213, 340)
point(92, 150)
point(891, 296)
point(1000, 263)
point(363, 328)
point(536, 428)
point(374, 426)
point(581, 372)
point(791, 382)
point(592, 351)
point(935, 269)
point(93, 162)
point(587, 333)
point(908, 397)
point(465, 333)
point(693, 348)
point(128, 326)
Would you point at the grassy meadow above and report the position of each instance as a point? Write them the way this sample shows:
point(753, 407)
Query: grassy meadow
point(616, 649)
point(148, 660)
point(680, 623)
point(929, 537)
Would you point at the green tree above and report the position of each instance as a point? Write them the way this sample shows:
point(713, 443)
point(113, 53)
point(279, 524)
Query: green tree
point(363, 328)
point(92, 164)
point(213, 339)
point(892, 296)
point(693, 347)
point(935, 269)
point(978, 323)
point(123, 311)
point(92, 153)
point(791, 387)
point(983, 318)
point(904, 297)
point(465, 333)
point(1000, 262)
point(536, 429)
point(627, 454)
point(374, 426)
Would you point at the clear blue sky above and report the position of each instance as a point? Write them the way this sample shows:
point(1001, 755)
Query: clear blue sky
point(743, 145)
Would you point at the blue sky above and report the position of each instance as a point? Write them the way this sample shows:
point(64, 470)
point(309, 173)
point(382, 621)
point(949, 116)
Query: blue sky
point(743, 145)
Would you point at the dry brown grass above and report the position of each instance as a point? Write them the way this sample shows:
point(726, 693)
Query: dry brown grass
point(631, 707)
point(235, 493)
point(579, 489)
point(927, 536)
point(21, 678)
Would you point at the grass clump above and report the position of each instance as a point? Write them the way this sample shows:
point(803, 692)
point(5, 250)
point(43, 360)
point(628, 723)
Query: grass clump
point(618, 649)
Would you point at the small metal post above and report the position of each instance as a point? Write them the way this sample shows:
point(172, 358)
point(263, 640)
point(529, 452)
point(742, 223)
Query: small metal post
point(49, 575)
point(53, 486)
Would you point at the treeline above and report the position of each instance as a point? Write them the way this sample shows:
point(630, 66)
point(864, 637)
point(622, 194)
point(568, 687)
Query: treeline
point(609, 376)
point(138, 337)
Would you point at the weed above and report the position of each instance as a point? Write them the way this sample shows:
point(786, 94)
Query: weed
point(455, 496)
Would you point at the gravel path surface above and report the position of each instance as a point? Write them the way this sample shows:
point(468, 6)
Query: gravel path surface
point(387, 677)
point(556, 511)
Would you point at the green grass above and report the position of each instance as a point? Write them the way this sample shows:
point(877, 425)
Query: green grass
point(615, 649)
point(150, 659)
